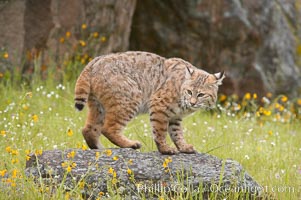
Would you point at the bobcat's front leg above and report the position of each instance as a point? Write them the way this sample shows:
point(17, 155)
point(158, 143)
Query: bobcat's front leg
point(159, 122)
point(176, 134)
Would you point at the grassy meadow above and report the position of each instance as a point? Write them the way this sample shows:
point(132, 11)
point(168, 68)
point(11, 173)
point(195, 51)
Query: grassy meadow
point(37, 114)
point(265, 140)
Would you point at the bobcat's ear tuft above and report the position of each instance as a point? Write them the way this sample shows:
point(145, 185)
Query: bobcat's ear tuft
point(189, 73)
point(219, 77)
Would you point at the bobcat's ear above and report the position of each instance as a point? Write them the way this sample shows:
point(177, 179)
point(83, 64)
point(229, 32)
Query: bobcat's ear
point(219, 77)
point(189, 73)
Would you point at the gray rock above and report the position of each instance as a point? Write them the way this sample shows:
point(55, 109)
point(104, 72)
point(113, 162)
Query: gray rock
point(196, 174)
point(254, 41)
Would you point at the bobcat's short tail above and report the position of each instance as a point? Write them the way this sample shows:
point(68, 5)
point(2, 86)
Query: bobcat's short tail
point(82, 88)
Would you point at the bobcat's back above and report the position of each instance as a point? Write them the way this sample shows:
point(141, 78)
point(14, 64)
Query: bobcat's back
point(129, 74)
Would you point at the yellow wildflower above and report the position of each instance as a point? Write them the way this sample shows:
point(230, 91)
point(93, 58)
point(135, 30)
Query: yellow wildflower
point(14, 173)
point(82, 43)
point(3, 133)
point(62, 40)
point(64, 164)
point(115, 158)
point(84, 26)
point(299, 102)
point(166, 162)
point(14, 161)
point(103, 39)
point(267, 112)
point(97, 154)
point(108, 152)
point(284, 98)
point(35, 118)
point(8, 149)
point(73, 165)
point(83, 61)
point(68, 169)
point(3, 172)
point(27, 157)
point(13, 184)
point(84, 147)
point(25, 107)
point(95, 35)
point(129, 171)
point(269, 95)
point(1, 75)
point(67, 196)
point(14, 152)
point(130, 162)
point(222, 98)
point(38, 152)
point(71, 154)
point(111, 170)
point(5, 55)
point(69, 132)
point(270, 132)
point(247, 96)
point(10, 181)
point(78, 145)
point(101, 194)
point(281, 108)
point(254, 96)
point(81, 184)
point(68, 34)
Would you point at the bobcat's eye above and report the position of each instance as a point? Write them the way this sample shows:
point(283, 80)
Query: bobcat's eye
point(201, 95)
point(189, 92)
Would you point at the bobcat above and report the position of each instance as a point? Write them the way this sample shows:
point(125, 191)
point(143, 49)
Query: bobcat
point(119, 86)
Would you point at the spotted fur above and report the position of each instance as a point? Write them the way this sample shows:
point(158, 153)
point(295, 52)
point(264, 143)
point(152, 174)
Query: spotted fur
point(117, 87)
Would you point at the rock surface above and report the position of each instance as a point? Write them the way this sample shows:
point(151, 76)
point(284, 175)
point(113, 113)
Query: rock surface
point(28, 27)
point(141, 173)
point(254, 41)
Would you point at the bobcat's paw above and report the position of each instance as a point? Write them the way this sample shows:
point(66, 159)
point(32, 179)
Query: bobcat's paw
point(136, 145)
point(187, 148)
point(166, 150)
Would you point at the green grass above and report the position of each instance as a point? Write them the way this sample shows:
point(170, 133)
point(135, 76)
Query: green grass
point(38, 117)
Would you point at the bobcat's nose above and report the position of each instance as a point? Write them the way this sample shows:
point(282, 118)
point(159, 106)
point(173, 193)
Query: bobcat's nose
point(192, 101)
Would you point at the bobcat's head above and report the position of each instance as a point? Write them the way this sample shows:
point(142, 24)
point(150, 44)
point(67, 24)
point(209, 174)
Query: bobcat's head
point(199, 89)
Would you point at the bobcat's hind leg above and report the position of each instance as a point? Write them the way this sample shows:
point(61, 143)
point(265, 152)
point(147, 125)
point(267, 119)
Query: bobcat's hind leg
point(92, 129)
point(176, 134)
point(116, 118)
